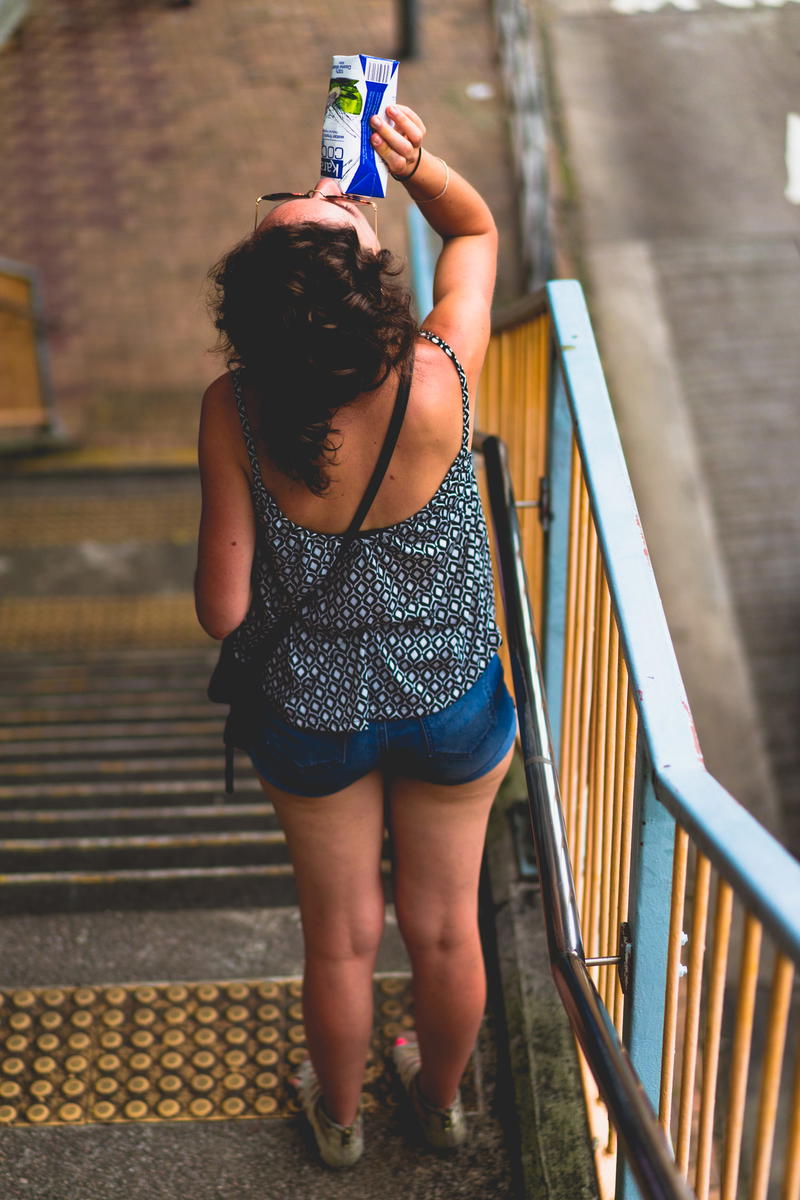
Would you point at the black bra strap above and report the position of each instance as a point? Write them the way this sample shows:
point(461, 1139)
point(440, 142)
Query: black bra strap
point(387, 450)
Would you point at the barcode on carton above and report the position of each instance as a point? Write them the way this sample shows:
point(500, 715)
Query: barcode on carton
point(378, 70)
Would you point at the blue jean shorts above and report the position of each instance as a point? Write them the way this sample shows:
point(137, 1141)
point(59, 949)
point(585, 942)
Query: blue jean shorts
point(456, 745)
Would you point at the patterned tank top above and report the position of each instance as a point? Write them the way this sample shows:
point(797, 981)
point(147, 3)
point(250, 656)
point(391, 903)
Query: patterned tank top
point(406, 623)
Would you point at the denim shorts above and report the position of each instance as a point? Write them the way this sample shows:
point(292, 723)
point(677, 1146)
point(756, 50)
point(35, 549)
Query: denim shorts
point(456, 745)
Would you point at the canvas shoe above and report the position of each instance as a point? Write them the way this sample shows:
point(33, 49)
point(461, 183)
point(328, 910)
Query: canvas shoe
point(338, 1145)
point(444, 1128)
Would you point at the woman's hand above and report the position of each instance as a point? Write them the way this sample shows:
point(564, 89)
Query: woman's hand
point(398, 144)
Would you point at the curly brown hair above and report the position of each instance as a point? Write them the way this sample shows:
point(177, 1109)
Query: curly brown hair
point(313, 320)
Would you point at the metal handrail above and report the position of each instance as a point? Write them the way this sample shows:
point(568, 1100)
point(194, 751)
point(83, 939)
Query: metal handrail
point(641, 1137)
point(759, 868)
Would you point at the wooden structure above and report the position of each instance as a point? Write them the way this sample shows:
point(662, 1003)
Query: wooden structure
point(26, 398)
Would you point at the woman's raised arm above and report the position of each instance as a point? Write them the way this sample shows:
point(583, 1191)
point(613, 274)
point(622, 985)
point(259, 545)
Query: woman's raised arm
point(465, 271)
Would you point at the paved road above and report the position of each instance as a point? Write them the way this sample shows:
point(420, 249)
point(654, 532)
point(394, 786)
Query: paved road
point(683, 138)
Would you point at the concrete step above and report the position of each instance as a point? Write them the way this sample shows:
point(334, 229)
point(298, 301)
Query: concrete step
point(60, 736)
point(225, 847)
point(108, 822)
point(111, 790)
point(36, 893)
point(113, 675)
point(99, 793)
point(56, 710)
point(129, 762)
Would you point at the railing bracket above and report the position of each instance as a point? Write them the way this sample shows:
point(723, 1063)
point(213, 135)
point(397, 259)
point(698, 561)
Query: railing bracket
point(622, 960)
point(625, 961)
point(543, 503)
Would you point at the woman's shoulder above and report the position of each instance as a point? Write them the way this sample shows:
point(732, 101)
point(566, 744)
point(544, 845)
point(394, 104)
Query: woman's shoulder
point(220, 424)
point(219, 392)
point(464, 327)
point(436, 411)
point(442, 353)
point(219, 404)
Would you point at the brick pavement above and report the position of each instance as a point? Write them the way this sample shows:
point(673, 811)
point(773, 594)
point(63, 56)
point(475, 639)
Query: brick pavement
point(135, 138)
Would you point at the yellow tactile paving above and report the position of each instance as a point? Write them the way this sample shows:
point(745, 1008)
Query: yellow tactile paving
point(27, 522)
point(196, 1051)
point(45, 623)
point(171, 1052)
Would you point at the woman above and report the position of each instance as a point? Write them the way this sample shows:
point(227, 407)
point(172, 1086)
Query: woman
point(386, 683)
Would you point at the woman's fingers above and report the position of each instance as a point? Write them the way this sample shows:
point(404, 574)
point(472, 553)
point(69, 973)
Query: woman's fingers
point(394, 160)
point(398, 143)
point(394, 137)
point(407, 115)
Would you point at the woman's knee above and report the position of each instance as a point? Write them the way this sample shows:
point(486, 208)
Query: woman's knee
point(340, 937)
point(431, 929)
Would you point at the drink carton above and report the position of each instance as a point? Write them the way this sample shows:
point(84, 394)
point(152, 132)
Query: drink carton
point(360, 87)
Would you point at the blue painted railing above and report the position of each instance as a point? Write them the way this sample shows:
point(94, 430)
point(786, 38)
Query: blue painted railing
point(674, 785)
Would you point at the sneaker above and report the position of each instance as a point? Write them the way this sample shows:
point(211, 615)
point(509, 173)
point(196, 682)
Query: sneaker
point(444, 1128)
point(338, 1145)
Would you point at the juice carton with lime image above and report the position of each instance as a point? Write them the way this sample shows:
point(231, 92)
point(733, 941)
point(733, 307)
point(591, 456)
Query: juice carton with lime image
point(360, 86)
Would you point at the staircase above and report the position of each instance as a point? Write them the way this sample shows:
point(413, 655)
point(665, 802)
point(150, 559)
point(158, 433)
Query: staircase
point(111, 789)
point(150, 1001)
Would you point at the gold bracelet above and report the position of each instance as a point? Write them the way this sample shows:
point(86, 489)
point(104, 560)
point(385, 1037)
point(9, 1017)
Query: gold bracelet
point(438, 195)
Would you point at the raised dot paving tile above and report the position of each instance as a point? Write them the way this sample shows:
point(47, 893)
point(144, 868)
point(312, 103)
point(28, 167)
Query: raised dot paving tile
point(205, 1051)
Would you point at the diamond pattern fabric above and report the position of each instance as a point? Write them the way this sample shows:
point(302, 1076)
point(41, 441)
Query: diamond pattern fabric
point(404, 625)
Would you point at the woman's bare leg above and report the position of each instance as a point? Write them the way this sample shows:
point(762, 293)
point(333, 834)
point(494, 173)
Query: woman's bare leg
point(335, 843)
point(439, 834)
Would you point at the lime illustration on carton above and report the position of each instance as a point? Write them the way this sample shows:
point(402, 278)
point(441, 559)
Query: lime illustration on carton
point(360, 86)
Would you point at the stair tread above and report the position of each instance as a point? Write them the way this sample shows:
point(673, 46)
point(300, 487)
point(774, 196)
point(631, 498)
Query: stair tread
point(112, 786)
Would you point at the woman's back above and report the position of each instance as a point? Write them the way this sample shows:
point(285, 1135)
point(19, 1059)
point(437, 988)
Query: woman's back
point(404, 624)
point(429, 440)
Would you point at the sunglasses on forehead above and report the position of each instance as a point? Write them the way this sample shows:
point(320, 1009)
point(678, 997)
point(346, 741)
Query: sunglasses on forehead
point(339, 199)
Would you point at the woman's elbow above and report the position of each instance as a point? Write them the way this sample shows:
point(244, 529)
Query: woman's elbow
point(218, 620)
point(491, 234)
point(216, 628)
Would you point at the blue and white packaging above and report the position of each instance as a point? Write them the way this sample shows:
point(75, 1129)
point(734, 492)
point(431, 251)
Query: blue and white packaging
point(360, 87)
